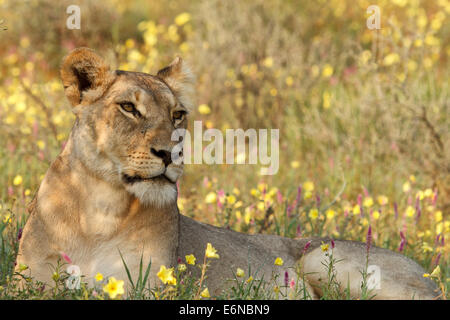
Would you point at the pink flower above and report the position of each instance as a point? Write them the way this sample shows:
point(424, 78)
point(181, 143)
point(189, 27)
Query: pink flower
point(402, 242)
point(434, 197)
point(35, 129)
point(359, 200)
point(396, 210)
point(307, 245)
point(65, 257)
point(298, 232)
point(345, 213)
point(286, 278)
point(279, 197)
point(436, 262)
point(292, 284)
point(333, 244)
point(221, 193)
point(299, 195)
point(366, 193)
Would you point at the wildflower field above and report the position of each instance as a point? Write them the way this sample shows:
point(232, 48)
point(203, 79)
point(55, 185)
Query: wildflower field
point(363, 114)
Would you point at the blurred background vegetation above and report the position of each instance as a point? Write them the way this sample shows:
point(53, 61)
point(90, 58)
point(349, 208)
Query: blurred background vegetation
point(363, 114)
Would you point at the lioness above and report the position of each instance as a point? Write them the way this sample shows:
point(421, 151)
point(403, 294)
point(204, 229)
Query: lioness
point(113, 187)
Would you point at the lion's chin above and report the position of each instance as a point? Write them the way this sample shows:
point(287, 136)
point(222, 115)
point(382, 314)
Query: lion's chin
point(153, 193)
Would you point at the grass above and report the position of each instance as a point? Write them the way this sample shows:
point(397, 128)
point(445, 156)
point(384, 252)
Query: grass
point(363, 119)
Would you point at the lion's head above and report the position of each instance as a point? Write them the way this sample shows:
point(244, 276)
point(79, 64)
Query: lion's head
point(125, 121)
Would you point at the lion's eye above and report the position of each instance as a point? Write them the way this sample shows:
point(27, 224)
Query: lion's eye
point(179, 115)
point(129, 107)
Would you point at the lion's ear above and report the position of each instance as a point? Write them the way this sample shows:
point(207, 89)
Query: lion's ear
point(180, 79)
point(85, 76)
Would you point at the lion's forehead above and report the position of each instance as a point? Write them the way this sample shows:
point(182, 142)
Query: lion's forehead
point(128, 83)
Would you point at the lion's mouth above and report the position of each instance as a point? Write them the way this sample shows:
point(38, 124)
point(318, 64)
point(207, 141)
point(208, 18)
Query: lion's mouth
point(133, 179)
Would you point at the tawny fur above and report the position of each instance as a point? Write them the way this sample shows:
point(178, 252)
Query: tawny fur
point(85, 209)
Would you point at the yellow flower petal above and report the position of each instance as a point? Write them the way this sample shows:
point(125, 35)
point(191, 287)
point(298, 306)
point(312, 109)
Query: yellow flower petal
point(211, 252)
point(279, 261)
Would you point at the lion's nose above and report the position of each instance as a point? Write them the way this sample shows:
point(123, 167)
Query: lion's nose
point(165, 155)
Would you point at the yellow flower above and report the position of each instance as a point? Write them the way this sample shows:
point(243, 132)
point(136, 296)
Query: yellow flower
point(327, 71)
point(211, 197)
point(248, 215)
point(324, 247)
point(40, 144)
point(166, 275)
point(240, 273)
point(236, 191)
point(412, 65)
point(308, 194)
point(426, 275)
point(182, 267)
point(313, 214)
point(438, 216)
point(330, 214)
point(250, 279)
point(289, 81)
point(98, 277)
point(7, 218)
point(428, 193)
point(182, 18)
point(410, 211)
point(308, 186)
point(55, 276)
point(278, 262)
point(420, 195)
point(190, 259)
point(326, 98)
point(295, 164)
point(376, 215)
point(406, 187)
point(391, 58)
point(23, 267)
point(204, 109)
point(426, 248)
point(365, 56)
point(439, 227)
point(231, 199)
point(262, 187)
point(205, 293)
point(25, 42)
point(268, 62)
point(382, 200)
point(368, 202)
point(129, 43)
point(436, 272)
point(114, 287)
point(260, 206)
point(211, 252)
point(17, 180)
